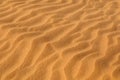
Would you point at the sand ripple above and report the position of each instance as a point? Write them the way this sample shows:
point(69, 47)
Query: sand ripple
point(59, 40)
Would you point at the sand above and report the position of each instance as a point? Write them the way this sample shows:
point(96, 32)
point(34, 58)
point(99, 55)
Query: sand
point(59, 39)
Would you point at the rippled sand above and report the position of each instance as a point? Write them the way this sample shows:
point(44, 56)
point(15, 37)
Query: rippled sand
point(59, 39)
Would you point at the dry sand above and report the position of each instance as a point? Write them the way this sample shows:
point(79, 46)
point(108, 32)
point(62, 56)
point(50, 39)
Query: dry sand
point(59, 39)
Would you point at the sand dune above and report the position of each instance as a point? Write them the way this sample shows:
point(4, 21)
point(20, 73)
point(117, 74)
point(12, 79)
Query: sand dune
point(59, 40)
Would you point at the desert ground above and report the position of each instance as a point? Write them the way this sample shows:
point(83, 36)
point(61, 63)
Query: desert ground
point(59, 39)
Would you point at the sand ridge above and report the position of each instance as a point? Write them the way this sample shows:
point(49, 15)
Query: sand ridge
point(59, 40)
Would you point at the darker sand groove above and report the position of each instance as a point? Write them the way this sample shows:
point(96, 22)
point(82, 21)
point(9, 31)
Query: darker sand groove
point(59, 40)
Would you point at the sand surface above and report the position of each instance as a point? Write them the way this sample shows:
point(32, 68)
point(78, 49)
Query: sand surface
point(59, 39)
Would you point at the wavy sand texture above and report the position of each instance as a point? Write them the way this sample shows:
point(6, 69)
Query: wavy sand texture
point(59, 39)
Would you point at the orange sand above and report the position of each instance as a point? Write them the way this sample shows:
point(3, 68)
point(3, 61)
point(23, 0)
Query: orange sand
point(59, 39)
